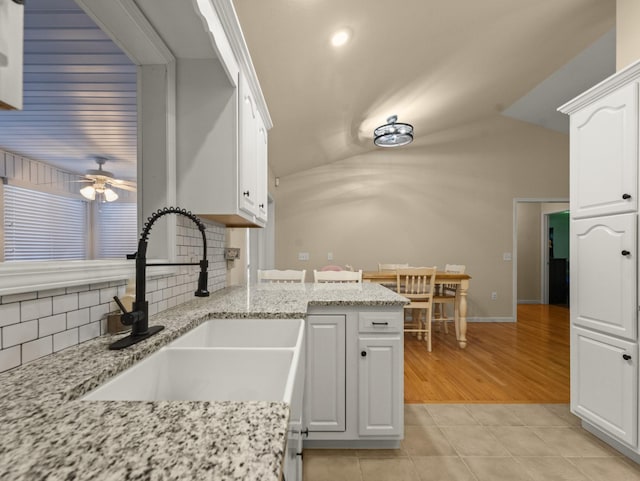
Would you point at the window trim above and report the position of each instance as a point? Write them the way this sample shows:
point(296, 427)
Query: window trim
point(30, 276)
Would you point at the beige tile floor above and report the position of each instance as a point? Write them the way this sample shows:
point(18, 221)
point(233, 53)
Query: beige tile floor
point(480, 442)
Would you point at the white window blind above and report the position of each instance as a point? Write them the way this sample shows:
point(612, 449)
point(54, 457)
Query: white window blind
point(117, 230)
point(40, 225)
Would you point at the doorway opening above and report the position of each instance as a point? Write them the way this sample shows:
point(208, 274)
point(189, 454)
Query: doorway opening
point(556, 259)
point(541, 251)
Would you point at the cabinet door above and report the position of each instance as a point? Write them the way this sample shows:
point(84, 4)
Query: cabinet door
point(604, 153)
point(324, 397)
point(247, 138)
point(262, 169)
point(603, 274)
point(380, 386)
point(604, 388)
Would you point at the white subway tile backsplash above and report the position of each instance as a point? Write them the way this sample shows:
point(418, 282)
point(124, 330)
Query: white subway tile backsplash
point(19, 333)
point(66, 303)
point(52, 292)
point(98, 312)
point(88, 299)
point(78, 318)
point(89, 331)
point(73, 289)
point(9, 358)
point(38, 348)
point(35, 309)
point(106, 295)
point(52, 324)
point(65, 339)
point(19, 297)
point(9, 314)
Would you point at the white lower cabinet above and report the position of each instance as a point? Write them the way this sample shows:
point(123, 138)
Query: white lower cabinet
point(292, 466)
point(379, 381)
point(354, 389)
point(324, 407)
point(604, 383)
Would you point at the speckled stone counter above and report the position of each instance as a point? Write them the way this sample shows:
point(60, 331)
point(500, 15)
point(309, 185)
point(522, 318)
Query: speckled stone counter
point(46, 432)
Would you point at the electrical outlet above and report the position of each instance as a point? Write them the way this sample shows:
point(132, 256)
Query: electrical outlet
point(329, 256)
point(506, 256)
point(494, 296)
point(303, 256)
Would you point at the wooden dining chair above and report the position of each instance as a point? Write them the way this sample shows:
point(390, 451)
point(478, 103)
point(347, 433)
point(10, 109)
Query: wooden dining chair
point(287, 276)
point(337, 276)
point(446, 294)
point(417, 285)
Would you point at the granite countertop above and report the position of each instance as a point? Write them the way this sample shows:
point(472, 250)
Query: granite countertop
point(47, 432)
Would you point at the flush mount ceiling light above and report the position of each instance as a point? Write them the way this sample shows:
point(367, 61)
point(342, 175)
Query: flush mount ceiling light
point(341, 37)
point(393, 134)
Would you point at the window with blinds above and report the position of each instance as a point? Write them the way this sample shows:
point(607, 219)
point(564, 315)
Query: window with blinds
point(116, 230)
point(40, 225)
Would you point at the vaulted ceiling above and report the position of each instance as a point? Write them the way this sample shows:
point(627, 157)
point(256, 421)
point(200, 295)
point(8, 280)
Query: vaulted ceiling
point(435, 63)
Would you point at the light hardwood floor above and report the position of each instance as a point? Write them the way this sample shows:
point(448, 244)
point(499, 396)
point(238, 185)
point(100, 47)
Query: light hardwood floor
point(523, 362)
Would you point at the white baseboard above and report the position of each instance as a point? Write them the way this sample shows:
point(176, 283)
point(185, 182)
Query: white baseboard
point(529, 301)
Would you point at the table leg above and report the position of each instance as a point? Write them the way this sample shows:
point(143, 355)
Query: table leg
point(461, 328)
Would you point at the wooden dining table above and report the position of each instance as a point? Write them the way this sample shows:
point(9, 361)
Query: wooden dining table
point(461, 280)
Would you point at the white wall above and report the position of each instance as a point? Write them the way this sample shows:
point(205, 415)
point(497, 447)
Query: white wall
point(446, 199)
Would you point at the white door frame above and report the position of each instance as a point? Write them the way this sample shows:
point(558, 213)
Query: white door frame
point(514, 274)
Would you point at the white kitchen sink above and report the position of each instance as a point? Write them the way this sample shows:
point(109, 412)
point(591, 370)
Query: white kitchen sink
point(197, 374)
point(244, 333)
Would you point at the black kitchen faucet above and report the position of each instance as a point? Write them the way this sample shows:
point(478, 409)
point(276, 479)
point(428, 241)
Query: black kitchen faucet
point(138, 318)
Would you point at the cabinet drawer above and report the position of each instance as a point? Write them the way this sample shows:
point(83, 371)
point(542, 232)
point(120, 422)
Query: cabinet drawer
point(380, 321)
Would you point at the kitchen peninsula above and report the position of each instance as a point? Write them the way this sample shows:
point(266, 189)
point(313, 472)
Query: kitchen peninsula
point(47, 432)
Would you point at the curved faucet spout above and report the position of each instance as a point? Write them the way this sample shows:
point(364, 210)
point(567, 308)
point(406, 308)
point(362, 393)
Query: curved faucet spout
point(139, 317)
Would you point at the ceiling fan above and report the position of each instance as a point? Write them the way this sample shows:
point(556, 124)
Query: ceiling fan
point(103, 183)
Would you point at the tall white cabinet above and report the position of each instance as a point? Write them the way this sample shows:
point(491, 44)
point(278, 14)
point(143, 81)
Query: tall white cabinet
point(604, 258)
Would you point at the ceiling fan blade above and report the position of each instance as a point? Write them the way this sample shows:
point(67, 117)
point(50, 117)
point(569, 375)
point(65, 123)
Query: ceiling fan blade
point(118, 182)
point(124, 187)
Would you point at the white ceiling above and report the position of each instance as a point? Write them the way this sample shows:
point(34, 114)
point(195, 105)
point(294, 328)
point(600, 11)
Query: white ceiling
point(435, 63)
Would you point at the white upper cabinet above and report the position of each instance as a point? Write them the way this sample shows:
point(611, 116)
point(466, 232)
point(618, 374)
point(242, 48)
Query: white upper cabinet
point(221, 128)
point(247, 158)
point(604, 155)
point(603, 273)
point(262, 169)
point(11, 54)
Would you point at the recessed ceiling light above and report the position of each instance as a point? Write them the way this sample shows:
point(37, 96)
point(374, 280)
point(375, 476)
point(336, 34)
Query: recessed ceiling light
point(340, 37)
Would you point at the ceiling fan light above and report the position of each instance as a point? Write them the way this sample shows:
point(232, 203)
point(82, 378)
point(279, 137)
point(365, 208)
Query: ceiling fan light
point(110, 195)
point(393, 134)
point(88, 192)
